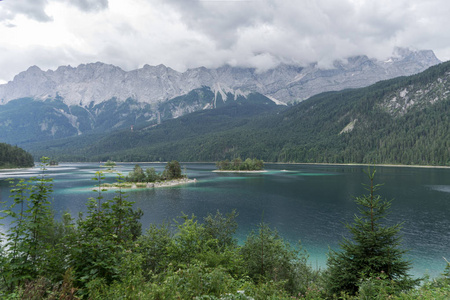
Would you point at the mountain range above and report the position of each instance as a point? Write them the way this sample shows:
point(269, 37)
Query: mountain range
point(405, 120)
point(91, 84)
point(85, 107)
point(46, 105)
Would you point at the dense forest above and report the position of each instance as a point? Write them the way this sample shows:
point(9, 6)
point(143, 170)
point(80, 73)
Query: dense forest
point(399, 121)
point(104, 254)
point(14, 157)
point(238, 164)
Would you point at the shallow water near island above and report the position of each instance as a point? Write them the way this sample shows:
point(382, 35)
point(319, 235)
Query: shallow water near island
point(310, 203)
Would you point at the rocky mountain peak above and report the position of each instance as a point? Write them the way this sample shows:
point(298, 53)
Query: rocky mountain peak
point(94, 83)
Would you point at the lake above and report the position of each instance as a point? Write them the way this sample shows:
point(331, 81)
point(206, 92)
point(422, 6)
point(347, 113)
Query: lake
point(302, 202)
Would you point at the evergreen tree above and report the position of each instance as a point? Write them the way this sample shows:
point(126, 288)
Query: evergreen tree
point(172, 170)
point(137, 175)
point(374, 250)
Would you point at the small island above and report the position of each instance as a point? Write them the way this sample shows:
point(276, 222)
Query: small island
point(53, 163)
point(238, 165)
point(109, 165)
point(138, 178)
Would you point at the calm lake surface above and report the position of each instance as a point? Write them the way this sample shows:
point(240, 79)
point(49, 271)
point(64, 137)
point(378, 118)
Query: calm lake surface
point(303, 202)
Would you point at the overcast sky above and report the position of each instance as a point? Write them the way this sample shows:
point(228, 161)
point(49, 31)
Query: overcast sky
point(185, 34)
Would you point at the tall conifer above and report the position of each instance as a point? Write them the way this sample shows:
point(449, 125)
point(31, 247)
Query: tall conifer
point(373, 250)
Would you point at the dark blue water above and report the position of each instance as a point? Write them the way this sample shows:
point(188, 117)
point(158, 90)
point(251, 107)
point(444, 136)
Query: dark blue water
point(303, 202)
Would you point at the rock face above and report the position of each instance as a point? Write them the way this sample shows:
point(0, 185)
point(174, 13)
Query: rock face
point(402, 100)
point(91, 84)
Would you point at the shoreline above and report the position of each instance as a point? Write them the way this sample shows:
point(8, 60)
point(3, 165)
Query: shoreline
point(368, 165)
point(239, 171)
point(15, 169)
point(304, 163)
point(273, 163)
point(149, 185)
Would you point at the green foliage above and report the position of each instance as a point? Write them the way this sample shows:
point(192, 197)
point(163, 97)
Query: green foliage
point(221, 228)
point(109, 165)
point(29, 239)
point(238, 165)
point(137, 175)
point(374, 250)
point(188, 242)
point(267, 257)
point(103, 236)
point(14, 157)
point(195, 281)
point(171, 171)
point(154, 247)
point(152, 175)
point(378, 287)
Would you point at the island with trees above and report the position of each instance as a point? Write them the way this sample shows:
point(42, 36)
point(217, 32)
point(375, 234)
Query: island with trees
point(109, 165)
point(138, 178)
point(238, 165)
point(12, 157)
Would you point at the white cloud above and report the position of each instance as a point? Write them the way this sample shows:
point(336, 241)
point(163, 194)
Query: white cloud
point(191, 33)
point(33, 9)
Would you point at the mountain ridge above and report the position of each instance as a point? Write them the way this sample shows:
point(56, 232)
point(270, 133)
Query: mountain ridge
point(98, 82)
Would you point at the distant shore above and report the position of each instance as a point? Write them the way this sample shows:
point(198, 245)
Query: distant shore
point(274, 163)
point(368, 165)
point(303, 163)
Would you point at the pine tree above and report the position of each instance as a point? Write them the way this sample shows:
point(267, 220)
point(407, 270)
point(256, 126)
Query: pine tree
point(374, 250)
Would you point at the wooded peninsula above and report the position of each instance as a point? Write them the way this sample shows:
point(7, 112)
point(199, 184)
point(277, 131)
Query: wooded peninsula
point(12, 157)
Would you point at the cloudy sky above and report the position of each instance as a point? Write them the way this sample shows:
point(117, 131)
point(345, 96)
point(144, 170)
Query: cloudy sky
point(184, 34)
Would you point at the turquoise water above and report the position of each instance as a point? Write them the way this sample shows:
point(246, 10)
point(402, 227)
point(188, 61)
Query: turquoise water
point(303, 202)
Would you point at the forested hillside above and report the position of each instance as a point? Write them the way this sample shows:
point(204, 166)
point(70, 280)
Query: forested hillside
point(14, 157)
point(403, 121)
